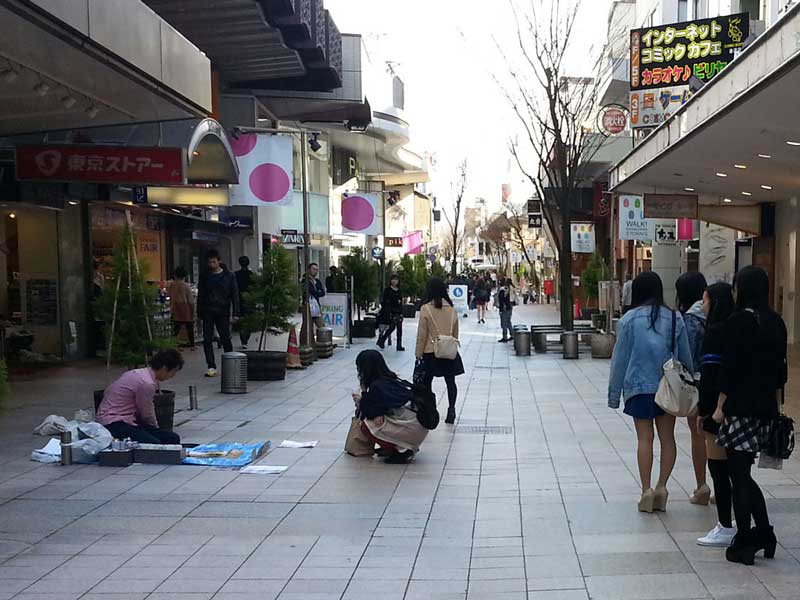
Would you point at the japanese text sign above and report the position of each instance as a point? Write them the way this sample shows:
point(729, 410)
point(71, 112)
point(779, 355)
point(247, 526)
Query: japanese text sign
point(666, 55)
point(100, 164)
point(650, 108)
point(670, 206)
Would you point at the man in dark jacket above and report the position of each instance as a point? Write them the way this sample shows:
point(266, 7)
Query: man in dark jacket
point(392, 313)
point(217, 296)
point(316, 292)
point(330, 281)
point(243, 277)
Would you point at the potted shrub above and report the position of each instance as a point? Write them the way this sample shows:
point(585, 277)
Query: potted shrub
point(595, 272)
point(366, 289)
point(127, 306)
point(272, 297)
point(408, 286)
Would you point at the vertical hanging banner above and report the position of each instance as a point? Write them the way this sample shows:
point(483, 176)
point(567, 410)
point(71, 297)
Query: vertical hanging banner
point(360, 214)
point(412, 242)
point(266, 172)
point(583, 240)
point(632, 224)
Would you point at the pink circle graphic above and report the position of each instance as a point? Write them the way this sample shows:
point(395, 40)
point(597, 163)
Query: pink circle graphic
point(244, 145)
point(357, 213)
point(269, 183)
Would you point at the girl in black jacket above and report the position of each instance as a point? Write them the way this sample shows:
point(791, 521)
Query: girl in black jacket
point(391, 313)
point(718, 305)
point(753, 373)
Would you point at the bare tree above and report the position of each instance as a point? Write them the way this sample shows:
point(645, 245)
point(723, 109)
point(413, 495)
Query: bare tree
point(455, 221)
point(554, 111)
point(495, 235)
point(518, 226)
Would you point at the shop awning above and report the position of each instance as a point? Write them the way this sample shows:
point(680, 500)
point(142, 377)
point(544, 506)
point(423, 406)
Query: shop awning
point(737, 141)
point(206, 154)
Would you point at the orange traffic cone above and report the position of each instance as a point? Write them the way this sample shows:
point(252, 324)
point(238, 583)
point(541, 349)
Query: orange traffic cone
point(293, 352)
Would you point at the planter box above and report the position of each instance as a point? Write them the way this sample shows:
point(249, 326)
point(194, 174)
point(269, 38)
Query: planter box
point(266, 365)
point(364, 329)
point(603, 345)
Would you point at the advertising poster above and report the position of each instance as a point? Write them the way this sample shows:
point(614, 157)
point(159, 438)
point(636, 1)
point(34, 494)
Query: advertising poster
point(583, 241)
point(717, 253)
point(334, 313)
point(265, 170)
point(360, 214)
point(458, 294)
point(651, 108)
point(632, 224)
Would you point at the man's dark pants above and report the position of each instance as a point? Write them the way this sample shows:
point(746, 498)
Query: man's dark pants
point(222, 323)
point(144, 435)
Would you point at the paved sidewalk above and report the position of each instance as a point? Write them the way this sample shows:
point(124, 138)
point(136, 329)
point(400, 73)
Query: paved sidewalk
point(531, 496)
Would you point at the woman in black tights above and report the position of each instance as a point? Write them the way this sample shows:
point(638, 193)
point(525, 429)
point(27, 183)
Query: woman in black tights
point(753, 374)
point(718, 305)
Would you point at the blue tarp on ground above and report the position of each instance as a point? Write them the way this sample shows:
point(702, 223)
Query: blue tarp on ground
point(231, 454)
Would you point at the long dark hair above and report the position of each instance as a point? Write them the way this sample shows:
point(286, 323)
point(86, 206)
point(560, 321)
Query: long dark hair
point(752, 288)
point(722, 303)
point(648, 291)
point(690, 288)
point(437, 292)
point(371, 367)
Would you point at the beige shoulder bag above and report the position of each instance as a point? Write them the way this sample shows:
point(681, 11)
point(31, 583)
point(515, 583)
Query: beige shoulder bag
point(444, 346)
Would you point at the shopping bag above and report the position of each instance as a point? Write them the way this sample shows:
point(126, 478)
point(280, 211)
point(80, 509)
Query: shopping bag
point(677, 392)
point(357, 443)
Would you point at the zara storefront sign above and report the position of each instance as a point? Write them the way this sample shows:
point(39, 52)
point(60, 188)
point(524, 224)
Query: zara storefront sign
point(612, 120)
point(632, 224)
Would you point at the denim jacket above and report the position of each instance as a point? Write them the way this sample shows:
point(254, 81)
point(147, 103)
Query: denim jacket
point(641, 351)
point(695, 321)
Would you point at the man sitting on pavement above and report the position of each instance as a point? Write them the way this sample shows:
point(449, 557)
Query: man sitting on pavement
point(127, 409)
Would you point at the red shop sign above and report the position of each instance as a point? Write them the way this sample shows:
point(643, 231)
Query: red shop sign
point(100, 164)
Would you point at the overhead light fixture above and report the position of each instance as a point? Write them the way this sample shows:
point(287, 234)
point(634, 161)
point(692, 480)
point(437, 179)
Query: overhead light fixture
point(68, 102)
point(740, 166)
point(727, 200)
point(766, 187)
point(195, 153)
point(92, 111)
point(792, 143)
point(154, 205)
point(722, 174)
point(688, 189)
point(72, 203)
point(314, 144)
point(746, 194)
point(12, 215)
point(41, 88)
point(765, 156)
point(8, 75)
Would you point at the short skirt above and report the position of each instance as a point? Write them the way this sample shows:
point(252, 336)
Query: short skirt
point(643, 406)
point(442, 367)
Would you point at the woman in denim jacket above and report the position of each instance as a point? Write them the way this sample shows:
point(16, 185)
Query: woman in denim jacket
point(644, 344)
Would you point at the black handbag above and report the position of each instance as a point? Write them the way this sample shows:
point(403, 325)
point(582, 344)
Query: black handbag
point(419, 372)
point(781, 435)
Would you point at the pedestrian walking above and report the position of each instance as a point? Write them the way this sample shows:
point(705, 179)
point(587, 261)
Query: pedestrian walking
point(391, 314)
point(482, 296)
point(649, 334)
point(217, 299)
point(627, 295)
point(331, 286)
point(127, 409)
point(181, 306)
point(243, 277)
point(438, 319)
point(753, 375)
point(384, 404)
point(691, 287)
point(316, 292)
point(718, 305)
point(506, 309)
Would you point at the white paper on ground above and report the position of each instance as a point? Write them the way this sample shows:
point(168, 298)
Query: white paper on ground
point(50, 453)
point(293, 444)
point(262, 470)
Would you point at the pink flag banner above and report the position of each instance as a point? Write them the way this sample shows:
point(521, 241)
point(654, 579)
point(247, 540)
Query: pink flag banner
point(265, 170)
point(685, 230)
point(412, 242)
point(360, 214)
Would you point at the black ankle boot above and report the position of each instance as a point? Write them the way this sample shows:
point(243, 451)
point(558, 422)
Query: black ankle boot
point(742, 549)
point(764, 539)
point(451, 415)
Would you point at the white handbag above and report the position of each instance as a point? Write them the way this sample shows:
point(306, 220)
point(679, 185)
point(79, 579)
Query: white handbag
point(444, 346)
point(677, 393)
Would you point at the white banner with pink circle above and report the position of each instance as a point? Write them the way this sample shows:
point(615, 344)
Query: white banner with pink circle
point(265, 170)
point(360, 214)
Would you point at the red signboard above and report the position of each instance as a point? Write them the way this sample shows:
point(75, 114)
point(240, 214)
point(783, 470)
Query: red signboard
point(602, 200)
point(549, 287)
point(100, 164)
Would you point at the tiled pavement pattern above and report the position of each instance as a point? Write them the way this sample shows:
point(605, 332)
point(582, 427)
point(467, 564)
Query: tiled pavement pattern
point(541, 506)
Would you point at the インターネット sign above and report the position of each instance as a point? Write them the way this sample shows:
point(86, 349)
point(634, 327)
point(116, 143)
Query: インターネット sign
point(666, 55)
point(100, 164)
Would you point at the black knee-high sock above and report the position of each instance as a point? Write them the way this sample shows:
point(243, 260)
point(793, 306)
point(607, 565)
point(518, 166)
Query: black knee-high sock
point(722, 490)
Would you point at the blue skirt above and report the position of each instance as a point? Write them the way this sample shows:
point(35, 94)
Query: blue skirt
point(643, 406)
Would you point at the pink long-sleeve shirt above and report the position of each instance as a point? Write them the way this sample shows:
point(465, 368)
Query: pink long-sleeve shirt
point(130, 399)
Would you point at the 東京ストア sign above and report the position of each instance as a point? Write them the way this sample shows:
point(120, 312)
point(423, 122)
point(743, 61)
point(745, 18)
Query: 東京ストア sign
point(100, 164)
point(666, 55)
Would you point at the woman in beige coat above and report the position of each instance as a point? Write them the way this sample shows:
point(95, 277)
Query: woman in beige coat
point(181, 305)
point(438, 317)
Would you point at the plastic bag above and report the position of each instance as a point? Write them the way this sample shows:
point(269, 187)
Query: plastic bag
point(52, 425)
point(82, 416)
point(95, 438)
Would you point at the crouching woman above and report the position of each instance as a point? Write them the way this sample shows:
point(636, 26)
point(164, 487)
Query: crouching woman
point(384, 406)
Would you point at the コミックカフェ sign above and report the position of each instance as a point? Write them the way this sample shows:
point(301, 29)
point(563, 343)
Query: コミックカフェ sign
point(667, 55)
point(670, 206)
point(100, 164)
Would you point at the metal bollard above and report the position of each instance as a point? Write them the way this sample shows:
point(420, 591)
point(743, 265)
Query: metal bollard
point(540, 342)
point(570, 341)
point(193, 397)
point(234, 373)
point(66, 448)
point(522, 342)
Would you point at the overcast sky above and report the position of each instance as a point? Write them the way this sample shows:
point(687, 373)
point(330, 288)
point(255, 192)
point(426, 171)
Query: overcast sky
point(445, 52)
